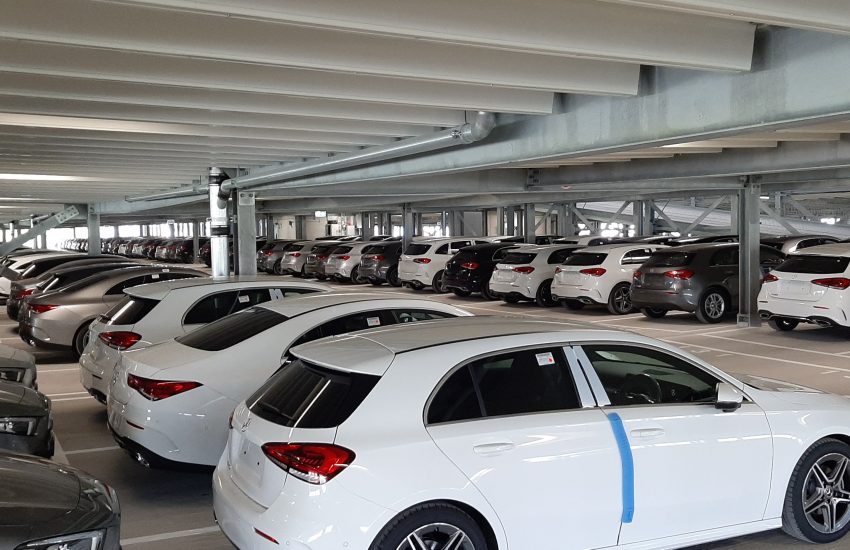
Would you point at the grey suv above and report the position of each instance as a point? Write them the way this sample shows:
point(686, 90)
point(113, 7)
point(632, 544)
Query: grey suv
point(699, 278)
point(379, 263)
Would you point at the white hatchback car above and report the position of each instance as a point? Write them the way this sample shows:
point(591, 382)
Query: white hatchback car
point(474, 434)
point(600, 275)
point(423, 261)
point(344, 262)
point(295, 257)
point(811, 286)
point(170, 402)
point(159, 311)
point(527, 273)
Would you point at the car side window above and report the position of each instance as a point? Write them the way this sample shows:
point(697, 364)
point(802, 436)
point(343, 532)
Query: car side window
point(413, 315)
point(559, 256)
point(457, 245)
point(212, 307)
point(769, 256)
point(724, 256)
point(443, 249)
point(131, 282)
point(806, 243)
point(312, 334)
point(636, 257)
point(357, 321)
point(518, 382)
point(633, 375)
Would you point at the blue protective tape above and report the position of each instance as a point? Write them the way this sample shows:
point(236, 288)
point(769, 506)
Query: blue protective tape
point(628, 465)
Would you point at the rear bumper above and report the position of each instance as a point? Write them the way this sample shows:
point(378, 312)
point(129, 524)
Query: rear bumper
point(684, 300)
point(94, 378)
point(516, 288)
point(582, 294)
point(465, 281)
point(815, 313)
point(37, 338)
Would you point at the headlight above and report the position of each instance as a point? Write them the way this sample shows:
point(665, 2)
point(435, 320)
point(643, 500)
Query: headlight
point(17, 425)
point(11, 374)
point(92, 540)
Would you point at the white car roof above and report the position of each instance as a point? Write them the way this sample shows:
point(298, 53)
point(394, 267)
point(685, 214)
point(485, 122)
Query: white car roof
point(535, 248)
point(370, 351)
point(834, 249)
point(299, 305)
point(617, 247)
point(158, 291)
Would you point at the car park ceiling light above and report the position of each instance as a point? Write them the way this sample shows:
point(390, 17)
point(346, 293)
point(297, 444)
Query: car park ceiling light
point(40, 177)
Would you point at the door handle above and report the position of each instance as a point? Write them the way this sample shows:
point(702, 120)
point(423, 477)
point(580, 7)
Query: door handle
point(493, 448)
point(647, 433)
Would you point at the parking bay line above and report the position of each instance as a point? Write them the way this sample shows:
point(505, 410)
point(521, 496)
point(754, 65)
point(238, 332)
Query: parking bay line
point(765, 357)
point(94, 450)
point(40, 371)
point(169, 536)
point(830, 354)
point(69, 393)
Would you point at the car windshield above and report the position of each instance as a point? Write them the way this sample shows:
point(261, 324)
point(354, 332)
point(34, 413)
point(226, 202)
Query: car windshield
point(304, 395)
point(816, 265)
point(417, 249)
point(232, 329)
point(669, 259)
point(514, 258)
point(584, 258)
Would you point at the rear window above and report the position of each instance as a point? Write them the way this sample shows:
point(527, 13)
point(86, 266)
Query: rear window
point(342, 249)
point(293, 247)
point(518, 258)
point(580, 258)
point(233, 329)
point(304, 395)
point(417, 249)
point(129, 311)
point(816, 265)
point(373, 249)
point(669, 259)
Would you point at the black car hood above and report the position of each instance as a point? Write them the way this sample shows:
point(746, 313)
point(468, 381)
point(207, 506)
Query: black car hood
point(19, 400)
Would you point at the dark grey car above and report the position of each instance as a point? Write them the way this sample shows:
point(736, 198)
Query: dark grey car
point(17, 365)
point(698, 278)
point(26, 423)
point(49, 506)
point(379, 263)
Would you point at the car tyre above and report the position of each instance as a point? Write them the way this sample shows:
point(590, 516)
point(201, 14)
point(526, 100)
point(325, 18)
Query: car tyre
point(820, 478)
point(619, 301)
point(486, 293)
point(392, 277)
point(80, 340)
point(303, 273)
point(713, 306)
point(437, 283)
point(543, 297)
point(436, 525)
point(574, 305)
point(321, 277)
point(355, 275)
point(510, 299)
point(277, 269)
point(653, 312)
point(782, 324)
point(460, 293)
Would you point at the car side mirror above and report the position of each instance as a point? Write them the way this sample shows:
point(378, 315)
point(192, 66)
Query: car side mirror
point(729, 398)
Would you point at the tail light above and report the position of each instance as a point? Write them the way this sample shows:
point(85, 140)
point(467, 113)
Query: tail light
point(422, 260)
point(683, 274)
point(321, 257)
point(769, 278)
point(266, 252)
point(558, 270)
point(838, 283)
point(470, 265)
point(377, 258)
point(315, 463)
point(524, 269)
point(593, 271)
point(23, 293)
point(637, 274)
point(344, 258)
point(41, 308)
point(119, 340)
point(295, 254)
point(159, 389)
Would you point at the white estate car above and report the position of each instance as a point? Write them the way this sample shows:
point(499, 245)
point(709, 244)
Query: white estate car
point(423, 261)
point(526, 273)
point(344, 262)
point(159, 311)
point(479, 433)
point(811, 286)
point(171, 401)
point(600, 275)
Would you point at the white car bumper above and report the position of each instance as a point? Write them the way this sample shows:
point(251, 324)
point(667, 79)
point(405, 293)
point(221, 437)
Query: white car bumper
point(835, 311)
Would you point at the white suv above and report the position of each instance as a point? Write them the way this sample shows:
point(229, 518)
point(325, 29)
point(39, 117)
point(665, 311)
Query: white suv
point(526, 274)
point(812, 286)
point(423, 261)
point(600, 275)
point(159, 311)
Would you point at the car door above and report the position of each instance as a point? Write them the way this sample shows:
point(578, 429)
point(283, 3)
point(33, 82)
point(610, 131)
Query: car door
point(695, 467)
point(546, 460)
point(723, 270)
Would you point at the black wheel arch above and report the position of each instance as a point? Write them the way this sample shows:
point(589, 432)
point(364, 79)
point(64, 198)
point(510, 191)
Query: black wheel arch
point(486, 528)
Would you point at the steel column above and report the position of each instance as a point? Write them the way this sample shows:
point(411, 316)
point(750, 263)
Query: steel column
point(51, 222)
point(408, 224)
point(529, 218)
point(300, 227)
point(749, 267)
point(94, 230)
point(219, 227)
point(246, 233)
point(510, 221)
point(196, 241)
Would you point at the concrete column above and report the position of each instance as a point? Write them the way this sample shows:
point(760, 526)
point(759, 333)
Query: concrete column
point(246, 224)
point(408, 224)
point(417, 221)
point(300, 227)
point(483, 230)
point(196, 244)
point(444, 223)
point(94, 230)
point(510, 221)
point(456, 223)
point(219, 227)
point(642, 218)
point(734, 212)
point(529, 219)
point(749, 267)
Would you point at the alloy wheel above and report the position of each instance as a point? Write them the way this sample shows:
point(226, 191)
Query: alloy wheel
point(715, 305)
point(622, 299)
point(437, 536)
point(826, 494)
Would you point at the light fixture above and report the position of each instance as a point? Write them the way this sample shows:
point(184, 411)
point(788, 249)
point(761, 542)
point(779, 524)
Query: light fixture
point(40, 177)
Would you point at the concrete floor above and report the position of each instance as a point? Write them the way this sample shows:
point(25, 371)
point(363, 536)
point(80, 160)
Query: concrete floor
point(163, 509)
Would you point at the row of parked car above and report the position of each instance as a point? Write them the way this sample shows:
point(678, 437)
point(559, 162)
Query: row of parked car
point(180, 249)
point(323, 408)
